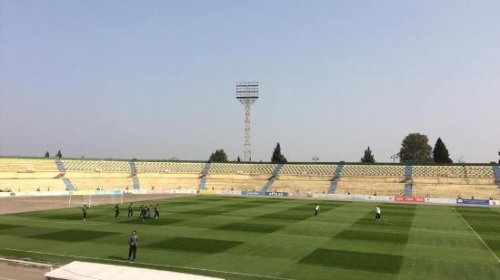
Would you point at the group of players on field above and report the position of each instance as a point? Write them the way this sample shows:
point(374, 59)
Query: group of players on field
point(145, 211)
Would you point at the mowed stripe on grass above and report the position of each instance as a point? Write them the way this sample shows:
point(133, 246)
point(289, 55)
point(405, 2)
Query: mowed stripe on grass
point(257, 236)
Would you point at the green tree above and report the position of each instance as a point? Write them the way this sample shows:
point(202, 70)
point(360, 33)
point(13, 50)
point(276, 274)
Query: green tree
point(218, 156)
point(238, 159)
point(277, 156)
point(440, 153)
point(59, 154)
point(47, 155)
point(415, 148)
point(368, 157)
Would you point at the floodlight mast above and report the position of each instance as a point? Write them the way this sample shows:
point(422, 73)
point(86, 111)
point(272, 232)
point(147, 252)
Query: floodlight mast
point(247, 93)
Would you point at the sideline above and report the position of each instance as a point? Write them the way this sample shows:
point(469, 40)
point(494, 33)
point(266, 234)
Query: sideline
point(477, 235)
point(152, 265)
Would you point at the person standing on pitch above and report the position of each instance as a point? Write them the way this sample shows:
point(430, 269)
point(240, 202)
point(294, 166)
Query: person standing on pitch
point(84, 212)
point(117, 210)
point(378, 213)
point(130, 212)
point(157, 211)
point(132, 242)
point(141, 210)
point(316, 210)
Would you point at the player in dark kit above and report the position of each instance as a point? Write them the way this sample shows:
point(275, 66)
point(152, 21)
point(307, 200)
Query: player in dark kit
point(117, 210)
point(141, 211)
point(132, 242)
point(130, 212)
point(84, 212)
point(157, 211)
point(144, 212)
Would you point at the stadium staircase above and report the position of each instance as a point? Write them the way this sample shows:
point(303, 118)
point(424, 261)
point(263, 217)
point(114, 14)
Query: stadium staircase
point(408, 171)
point(203, 176)
point(133, 168)
point(274, 175)
point(60, 166)
point(408, 189)
point(496, 172)
point(135, 180)
point(136, 183)
point(336, 178)
point(69, 185)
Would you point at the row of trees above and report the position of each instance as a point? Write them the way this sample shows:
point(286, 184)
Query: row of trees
point(220, 156)
point(415, 148)
point(58, 155)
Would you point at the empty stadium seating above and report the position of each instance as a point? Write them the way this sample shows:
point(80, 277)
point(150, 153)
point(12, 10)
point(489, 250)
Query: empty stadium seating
point(30, 185)
point(450, 181)
point(96, 165)
point(302, 184)
point(304, 169)
point(170, 180)
point(23, 166)
point(236, 181)
point(374, 170)
point(169, 167)
point(239, 168)
point(102, 183)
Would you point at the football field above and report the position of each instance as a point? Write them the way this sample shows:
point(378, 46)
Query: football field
point(268, 238)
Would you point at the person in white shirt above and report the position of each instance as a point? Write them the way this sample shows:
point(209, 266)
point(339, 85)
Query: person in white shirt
point(378, 213)
point(316, 210)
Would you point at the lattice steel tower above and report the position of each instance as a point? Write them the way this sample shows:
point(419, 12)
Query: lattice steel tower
point(247, 93)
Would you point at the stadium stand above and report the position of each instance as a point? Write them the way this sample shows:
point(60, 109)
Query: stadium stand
point(238, 176)
point(25, 174)
point(31, 185)
point(21, 165)
point(96, 165)
point(446, 181)
point(372, 179)
point(304, 178)
point(454, 181)
point(101, 183)
point(273, 177)
point(159, 175)
point(152, 181)
point(241, 168)
point(169, 167)
point(304, 169)
point(374, 170)
point(97, 174)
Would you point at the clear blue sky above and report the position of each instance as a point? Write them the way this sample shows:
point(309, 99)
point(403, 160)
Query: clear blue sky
point(155, 79)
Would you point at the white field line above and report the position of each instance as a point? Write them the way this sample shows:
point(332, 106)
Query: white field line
point(477, 235)
point(152, 265)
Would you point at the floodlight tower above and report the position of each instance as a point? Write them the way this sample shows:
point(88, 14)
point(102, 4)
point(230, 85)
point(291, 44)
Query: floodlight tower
point(247, 93)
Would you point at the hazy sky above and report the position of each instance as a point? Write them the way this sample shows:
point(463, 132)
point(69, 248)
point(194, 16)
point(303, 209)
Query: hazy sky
point(155, 79)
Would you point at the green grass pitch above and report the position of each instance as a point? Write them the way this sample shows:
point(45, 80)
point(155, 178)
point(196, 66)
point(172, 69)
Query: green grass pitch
point(268, 238)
